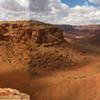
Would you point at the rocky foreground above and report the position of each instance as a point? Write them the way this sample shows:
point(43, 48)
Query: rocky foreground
point(12, 94)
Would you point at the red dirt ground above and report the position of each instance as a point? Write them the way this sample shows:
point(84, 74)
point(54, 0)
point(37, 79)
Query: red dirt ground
point(78, 84)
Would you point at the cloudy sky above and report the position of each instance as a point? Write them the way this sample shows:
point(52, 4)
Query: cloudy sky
point(52, 11)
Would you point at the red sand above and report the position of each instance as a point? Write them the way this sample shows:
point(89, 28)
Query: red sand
point(78, 84)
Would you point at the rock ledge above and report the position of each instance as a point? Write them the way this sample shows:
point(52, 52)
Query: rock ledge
point(12, 94)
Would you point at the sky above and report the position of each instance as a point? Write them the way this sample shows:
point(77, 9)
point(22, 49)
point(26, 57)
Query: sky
point(74, 12)
point(73, 3)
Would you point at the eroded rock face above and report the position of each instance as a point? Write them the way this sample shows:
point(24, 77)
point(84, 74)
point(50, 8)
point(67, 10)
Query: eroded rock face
point(48, 36)
point(35, 46)
point(12, 94)
point(24, 32)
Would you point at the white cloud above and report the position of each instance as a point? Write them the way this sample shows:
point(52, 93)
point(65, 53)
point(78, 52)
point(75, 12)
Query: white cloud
point(52, 7)
point(14, 5)
point(48, 10)
point(94, 1)
point(24, 3)
point(82, 15)
point(14, 9)
point(52, 11)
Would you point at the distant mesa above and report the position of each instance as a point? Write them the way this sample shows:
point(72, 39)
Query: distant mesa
point(81, 30)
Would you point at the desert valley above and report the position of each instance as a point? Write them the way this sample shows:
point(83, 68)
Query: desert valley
point(50, 62)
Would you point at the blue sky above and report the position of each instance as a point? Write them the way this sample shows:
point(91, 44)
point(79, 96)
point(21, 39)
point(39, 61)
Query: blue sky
point(73, 3)
point(75, 12)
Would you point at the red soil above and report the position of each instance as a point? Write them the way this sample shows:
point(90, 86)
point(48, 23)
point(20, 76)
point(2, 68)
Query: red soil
point(78, 84)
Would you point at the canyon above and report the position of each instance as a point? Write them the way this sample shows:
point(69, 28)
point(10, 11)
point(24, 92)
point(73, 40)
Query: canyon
point(38, 59)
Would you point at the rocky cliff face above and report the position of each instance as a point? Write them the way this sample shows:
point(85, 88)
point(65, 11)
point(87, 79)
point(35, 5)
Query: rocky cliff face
point(34, 45)
point(48, 36)
point(24, 31)
point(12, 94)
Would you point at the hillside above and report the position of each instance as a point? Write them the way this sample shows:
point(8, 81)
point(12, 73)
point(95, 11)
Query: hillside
point(37, 59)
point(94, 40)
point(85, 38)
point(35, 46)
point(79, 31)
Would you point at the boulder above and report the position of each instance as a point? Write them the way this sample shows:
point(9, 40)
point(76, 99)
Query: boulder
point(12, 94)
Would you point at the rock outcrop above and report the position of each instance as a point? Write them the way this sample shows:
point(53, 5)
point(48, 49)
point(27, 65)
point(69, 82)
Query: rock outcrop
point(12, 94)
point(48, 36)
point(24, 31)
point(28, 42)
